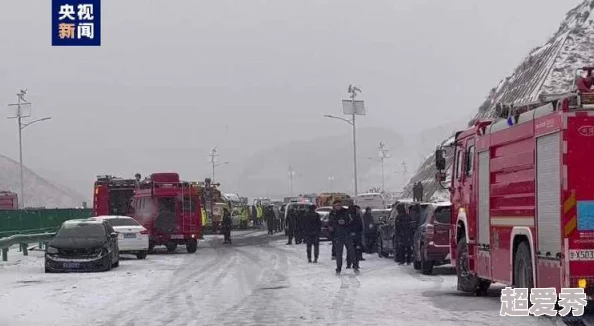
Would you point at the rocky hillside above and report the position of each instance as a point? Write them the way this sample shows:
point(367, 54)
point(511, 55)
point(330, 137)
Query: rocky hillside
point(548, 69)
point(38, 191)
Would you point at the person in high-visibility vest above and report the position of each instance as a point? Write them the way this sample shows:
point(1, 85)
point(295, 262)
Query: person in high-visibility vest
point(260, 214)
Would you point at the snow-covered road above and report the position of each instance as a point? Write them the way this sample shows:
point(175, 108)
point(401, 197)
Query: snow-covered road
point(256, 281)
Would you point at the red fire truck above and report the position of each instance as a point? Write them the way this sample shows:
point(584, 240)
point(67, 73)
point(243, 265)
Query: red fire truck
point(169, 209)
point(522, 194)
point(8, 201)
point(112, 195)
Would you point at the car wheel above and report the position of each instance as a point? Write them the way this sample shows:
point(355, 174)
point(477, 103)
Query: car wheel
point(426, 266)
point(192, 246)
point(141, 255)
point(116, 264)
point(417, 265)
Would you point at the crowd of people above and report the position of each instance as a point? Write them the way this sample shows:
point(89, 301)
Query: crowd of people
point(347, 227)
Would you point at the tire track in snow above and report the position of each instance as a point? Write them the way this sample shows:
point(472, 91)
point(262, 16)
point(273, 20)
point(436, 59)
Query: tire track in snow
point(149, 303)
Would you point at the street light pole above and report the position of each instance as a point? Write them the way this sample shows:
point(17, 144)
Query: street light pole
point(291, 174)
point(331, 179)
point(19, 116)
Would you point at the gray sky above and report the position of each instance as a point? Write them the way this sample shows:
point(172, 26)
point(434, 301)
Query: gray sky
point(174, 78)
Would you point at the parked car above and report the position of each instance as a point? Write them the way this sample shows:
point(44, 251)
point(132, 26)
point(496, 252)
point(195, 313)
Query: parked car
point(386, 240)
point(324, 212)
point(83, 246)
point(432, 245)
point(370, 240)
point(132, 237)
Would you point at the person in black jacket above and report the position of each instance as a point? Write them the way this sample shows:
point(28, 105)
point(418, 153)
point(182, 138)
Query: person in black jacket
point(226, 224)
point(312, 227)
point(290, 223)
point(356, 234)
point(270, 219)
point(340, 222)
point(404, 235)
point(299, 225)
point(369, 230)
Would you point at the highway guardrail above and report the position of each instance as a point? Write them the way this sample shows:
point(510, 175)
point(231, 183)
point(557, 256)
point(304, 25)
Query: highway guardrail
point(23, 240)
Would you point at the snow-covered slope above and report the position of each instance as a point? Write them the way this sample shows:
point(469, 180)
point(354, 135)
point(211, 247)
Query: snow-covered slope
point(38, 191)
point(548, 69)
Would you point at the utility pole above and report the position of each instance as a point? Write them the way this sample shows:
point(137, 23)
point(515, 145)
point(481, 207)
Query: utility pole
point(383, 155)
point(291, 175)
point(404, 174)
point(352, 107)
point(19, 116)
point(213, 159)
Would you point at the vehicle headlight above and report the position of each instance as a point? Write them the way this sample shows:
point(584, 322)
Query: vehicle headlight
point(51, 250)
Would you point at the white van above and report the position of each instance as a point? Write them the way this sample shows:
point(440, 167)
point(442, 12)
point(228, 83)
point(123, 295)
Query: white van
point(372, 200)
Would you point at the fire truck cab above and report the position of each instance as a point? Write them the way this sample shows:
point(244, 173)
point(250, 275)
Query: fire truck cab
point(522, 194)
point(170, 210)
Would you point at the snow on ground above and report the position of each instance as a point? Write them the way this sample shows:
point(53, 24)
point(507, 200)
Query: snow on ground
point(257, 281)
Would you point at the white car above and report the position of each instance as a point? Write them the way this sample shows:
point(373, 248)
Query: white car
point(132, 237)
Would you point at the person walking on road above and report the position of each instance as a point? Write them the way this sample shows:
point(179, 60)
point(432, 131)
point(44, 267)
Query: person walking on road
point(356, 234)
point(226, 224)
point(270, 217)
point(299, 225)
point(340, 223)
point(312, 227)
point(290, 224)
point(404, 235)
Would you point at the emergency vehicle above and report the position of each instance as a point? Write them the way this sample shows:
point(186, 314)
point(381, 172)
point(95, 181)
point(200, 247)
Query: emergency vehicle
point(522, 194)
point(8, 201)
point(112, 195)
point(170, 210)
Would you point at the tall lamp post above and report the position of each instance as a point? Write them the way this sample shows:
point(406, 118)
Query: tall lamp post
point(214, 166)
point(19, 116)
point(331, 180)
point(383, 155)
point(353, 108)
point(291, 176)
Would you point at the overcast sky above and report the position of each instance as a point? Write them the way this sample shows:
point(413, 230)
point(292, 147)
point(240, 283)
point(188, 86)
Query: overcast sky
point(174, 78)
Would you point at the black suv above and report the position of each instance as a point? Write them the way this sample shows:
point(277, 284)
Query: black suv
point(83, 246)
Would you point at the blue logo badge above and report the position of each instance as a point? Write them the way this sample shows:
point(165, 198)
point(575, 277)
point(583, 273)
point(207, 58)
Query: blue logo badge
point(76, 22)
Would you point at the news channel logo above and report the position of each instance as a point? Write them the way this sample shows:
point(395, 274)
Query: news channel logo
point(76, 22)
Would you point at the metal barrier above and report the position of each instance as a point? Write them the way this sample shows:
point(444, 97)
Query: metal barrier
point(23, 240)
point(26, 221)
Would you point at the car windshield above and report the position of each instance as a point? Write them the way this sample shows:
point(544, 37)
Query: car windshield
point(81, 230)
point(122, 222)
point(443, 214)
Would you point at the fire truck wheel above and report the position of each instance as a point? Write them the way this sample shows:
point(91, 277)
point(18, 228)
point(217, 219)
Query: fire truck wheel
point(523, 267)
point(466, 281)
point(192, 246)
point(171, 246)
point(151, 247)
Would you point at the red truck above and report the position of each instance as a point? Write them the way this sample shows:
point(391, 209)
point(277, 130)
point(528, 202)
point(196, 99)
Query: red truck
point(169, 209)
point(8, 201)
point(112, 195)
point(522, 194)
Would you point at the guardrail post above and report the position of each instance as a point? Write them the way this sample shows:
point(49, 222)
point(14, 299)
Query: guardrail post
point(25, 250)
point(4, 254)
point(40, 245)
